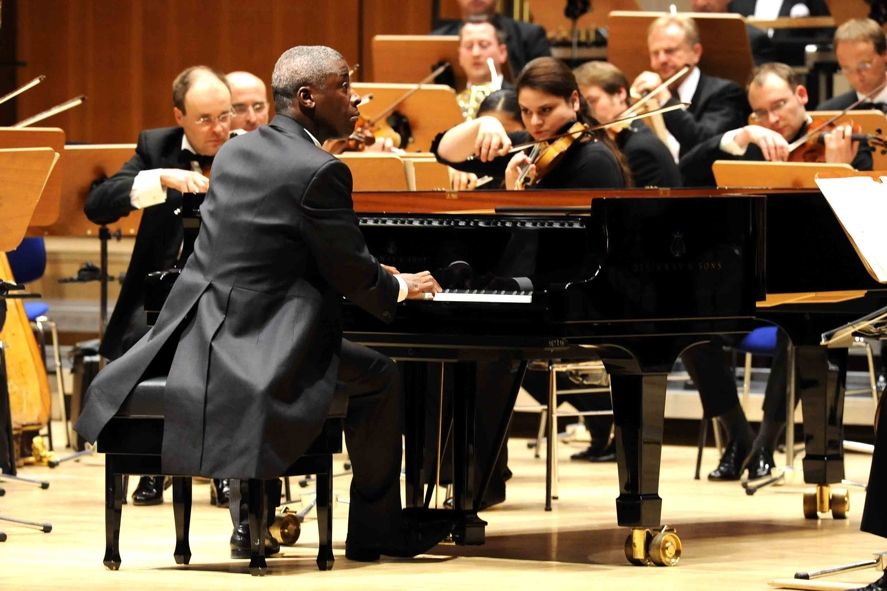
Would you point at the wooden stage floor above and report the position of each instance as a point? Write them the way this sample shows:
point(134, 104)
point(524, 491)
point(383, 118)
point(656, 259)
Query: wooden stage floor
point(731, 541)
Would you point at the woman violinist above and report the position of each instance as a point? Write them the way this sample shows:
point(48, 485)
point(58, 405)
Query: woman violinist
point(780, 117)
point(550, 104)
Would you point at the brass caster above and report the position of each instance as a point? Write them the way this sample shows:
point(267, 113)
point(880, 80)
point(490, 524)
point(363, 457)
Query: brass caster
point(665, 548)
point(637, 546)
point(810, 511)
point(840, 503)
point(286, 527)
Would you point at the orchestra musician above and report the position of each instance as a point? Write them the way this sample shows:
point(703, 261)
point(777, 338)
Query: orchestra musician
point(253, 325)
point(525, 41)
point(716, 104)
point(249, 100)
point(788, 43)
point(168, 162)
point(480, 44)
point(861, 51)
point(778, 100)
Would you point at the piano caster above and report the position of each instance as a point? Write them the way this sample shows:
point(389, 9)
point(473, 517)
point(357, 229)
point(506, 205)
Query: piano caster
point(287, 527)
point(646, 547)
point(824, 499)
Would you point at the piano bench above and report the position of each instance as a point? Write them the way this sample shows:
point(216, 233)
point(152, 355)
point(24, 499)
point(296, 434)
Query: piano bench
point(132, 441)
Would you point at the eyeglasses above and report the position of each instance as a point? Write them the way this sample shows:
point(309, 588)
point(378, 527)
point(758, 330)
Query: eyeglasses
point(762, 114)
point(210, 120)
point(241, 109)
point(860, 68)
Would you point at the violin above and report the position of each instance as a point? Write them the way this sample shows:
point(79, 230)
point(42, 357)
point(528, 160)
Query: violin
point(389, 123)
point(547, 154)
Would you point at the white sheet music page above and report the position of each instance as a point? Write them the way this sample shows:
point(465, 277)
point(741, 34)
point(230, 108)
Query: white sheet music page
point(860, 203)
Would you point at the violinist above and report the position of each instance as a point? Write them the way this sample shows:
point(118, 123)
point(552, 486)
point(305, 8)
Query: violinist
point(162, 168)
point(605, 89)
point(550, 104)
point(861, 51)
point(779, 117)
point(482, 53)
point(249, 100)
point(716, 104)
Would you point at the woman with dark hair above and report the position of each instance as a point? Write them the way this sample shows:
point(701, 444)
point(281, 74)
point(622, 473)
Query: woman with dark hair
point(550, 103)
point(502, 104)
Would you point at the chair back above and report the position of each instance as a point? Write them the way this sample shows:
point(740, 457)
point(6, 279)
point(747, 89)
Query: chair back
point(28, 261)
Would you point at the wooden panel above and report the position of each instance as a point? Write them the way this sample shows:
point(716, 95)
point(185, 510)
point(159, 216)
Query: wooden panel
point(550, 15)
point(389, 17)
point(124, 55)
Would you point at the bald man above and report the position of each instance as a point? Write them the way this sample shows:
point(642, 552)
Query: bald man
point(249, 101)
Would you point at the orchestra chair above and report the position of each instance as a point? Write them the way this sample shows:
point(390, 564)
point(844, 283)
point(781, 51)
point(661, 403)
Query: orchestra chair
point(132, 441)
point(600, 385)
point(28, 264)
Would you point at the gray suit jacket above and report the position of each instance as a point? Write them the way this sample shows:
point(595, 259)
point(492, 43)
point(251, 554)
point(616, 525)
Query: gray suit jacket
point(253, 322)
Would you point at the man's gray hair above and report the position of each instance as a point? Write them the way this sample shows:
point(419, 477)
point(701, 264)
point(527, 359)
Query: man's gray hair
point(305, 65)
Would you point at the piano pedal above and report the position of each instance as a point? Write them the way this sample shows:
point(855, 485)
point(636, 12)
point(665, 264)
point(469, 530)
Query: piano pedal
point(647, 547)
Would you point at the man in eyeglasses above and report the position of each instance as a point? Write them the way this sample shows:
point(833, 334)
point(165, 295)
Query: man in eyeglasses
point(168, 162)
point(249, 100)
point(861, 50)
point(779, 114)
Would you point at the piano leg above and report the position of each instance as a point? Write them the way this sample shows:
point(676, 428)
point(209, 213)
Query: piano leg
point(821, 377)
point(469, 529)
point(639, 416)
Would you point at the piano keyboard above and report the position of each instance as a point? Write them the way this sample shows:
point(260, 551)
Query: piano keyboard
point(482, 296)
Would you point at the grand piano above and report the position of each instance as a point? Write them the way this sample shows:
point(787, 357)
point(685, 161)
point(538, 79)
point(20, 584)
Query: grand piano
point(632, 278)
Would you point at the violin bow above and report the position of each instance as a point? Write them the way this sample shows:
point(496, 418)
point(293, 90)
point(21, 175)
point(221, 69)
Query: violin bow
point(803, 139)
point(408, 94)
point(22, 89)
point(612, 123)
point(69, 104)
point(643, 100)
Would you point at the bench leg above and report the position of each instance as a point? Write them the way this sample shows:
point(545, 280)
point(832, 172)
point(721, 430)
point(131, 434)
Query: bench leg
point(324, 510)
point(258, 524)
point(114, 495)
point(181, 507)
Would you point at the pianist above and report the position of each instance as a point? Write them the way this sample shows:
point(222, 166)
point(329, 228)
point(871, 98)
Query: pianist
point(253, 323)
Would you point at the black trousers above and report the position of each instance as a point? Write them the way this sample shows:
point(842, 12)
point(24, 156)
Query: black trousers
point(874, 516)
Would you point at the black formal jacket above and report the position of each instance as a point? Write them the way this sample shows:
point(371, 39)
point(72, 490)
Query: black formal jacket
point(525, 41)
point(718, 105)
point(159, 237)
point(841, 102)
point(255, 318)
point(788, 44)
point(649, 160)
point(874, 516)
point(762, 49)
point(696, 166)
point(589, 165)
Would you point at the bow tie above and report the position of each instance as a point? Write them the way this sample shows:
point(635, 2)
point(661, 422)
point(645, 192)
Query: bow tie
point(876, 106)
point(204, 162)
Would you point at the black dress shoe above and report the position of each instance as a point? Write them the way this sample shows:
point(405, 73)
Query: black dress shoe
point(597, 454)
point(730, 466)
point(149, 491)
point(420, 531)
point(240, 542)
point(219, 492)
point(879, 585)
point(759, 464)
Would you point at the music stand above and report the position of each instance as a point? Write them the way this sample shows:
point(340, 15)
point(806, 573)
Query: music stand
point(23, 175)
point(430, 110)
point(376, 171)
point(775, 175)
point(425, 173)
point(726, 49)
point(47, 210)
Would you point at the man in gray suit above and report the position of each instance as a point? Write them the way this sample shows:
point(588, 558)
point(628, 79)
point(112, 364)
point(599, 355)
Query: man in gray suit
point(253, 324)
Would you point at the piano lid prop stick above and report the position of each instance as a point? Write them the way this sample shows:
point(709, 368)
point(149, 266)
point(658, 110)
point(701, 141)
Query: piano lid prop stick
point(69, 104)
point(22, 89)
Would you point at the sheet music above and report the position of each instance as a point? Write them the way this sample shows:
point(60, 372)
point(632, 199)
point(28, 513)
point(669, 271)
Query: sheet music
point(860, 203)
